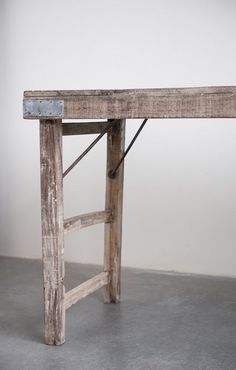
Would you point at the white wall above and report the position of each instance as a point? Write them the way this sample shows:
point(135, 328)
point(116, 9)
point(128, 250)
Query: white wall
point(180, 181)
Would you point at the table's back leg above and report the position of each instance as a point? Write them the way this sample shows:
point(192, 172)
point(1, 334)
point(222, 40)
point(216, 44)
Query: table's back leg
point(114, 202)
point(52, 230)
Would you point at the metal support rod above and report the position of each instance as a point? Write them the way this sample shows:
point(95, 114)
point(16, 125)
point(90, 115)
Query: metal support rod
point(89, 148)
point(112, 173)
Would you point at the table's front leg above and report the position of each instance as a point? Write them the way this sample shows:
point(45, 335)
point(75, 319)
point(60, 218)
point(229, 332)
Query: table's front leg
point(52, 230)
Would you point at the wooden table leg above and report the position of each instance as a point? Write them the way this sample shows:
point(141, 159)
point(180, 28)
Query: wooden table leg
point(52, 230)
point(114, 202)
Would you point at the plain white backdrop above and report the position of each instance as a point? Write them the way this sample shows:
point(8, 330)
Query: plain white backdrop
point(180, 177)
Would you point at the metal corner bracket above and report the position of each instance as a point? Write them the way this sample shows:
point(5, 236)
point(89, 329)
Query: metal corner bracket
point(43, 108)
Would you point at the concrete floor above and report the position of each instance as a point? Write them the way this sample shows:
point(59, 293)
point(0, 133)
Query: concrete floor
point(165, 321)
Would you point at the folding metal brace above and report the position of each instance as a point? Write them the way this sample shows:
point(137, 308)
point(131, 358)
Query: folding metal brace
point(106, 129)
point(112, 173)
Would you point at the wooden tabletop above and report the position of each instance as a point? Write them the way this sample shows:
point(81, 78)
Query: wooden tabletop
point(194, 102)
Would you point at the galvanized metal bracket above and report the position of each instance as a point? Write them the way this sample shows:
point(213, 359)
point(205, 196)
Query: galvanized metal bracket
point(42, 108)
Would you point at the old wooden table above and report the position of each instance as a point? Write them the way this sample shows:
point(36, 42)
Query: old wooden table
point(51, 107)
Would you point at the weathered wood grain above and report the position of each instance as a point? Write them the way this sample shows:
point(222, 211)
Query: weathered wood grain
point(83, 128)
point(201, 102)
point(52, 230)
point(87, 219)
point(86, 288)
point(114, 202)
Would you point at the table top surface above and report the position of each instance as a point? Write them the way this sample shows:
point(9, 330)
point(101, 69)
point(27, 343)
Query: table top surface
point(128, 92)
point(188, 102)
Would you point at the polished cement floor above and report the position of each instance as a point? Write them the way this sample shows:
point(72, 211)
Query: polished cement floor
point(165, 321)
